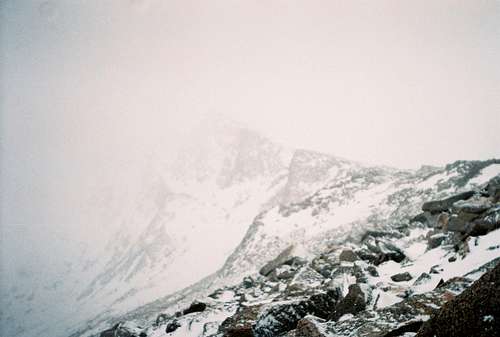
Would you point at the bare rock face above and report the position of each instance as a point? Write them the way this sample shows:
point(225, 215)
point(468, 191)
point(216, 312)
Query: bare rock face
point(475, 312)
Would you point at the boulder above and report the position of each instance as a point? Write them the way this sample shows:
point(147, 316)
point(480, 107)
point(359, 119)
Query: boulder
point(280, 317)
point(395, 320)
point(379, 250)
point(423, 278)
point(352, 303)
point(487, 223)
point(172, 326)
point(196, 306)
point(348, 256)
point(459, 222)
point(475, 312)
point(241, 323)
point(438, 206)
point(401, 277)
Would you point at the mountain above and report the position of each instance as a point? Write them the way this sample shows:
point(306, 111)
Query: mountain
point(179, 228)
point(432, 272)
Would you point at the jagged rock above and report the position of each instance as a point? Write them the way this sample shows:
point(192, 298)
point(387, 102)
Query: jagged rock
point(195, 307)
point(117, 331)
point(241, 323)
point(388, 321)
point(379, 250)
point(475, 312)
point(172, 326)
point(352, 303)
point(348, 256)
point(423, 278)
point(278, 318)
point(401, 277)
point(438, 206)
point(436, 269)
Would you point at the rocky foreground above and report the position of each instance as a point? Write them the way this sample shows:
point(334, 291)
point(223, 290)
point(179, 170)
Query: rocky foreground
point(435, 275)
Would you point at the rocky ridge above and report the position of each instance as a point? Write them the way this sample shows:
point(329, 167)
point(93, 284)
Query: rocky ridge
point(400, 275)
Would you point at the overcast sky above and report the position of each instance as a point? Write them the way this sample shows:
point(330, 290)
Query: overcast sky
point(400, 83)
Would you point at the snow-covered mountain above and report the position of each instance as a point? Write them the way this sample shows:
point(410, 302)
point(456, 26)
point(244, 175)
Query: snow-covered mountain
point(230, 201)
point(432, 272)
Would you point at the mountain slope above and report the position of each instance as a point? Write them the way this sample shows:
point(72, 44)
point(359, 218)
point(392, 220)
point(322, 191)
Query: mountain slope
point(385, 279)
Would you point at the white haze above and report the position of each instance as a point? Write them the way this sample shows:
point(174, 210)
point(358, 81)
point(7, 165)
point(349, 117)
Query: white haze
point(91, 91)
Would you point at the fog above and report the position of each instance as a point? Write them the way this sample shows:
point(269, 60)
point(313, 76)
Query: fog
point(88, 87)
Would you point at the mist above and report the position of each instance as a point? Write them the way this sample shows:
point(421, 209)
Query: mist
point(89, 85)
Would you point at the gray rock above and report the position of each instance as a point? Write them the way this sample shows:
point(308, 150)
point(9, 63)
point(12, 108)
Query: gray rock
point(459, 222)
point(423, 278)
point(241, 323)
point(353, 303)
point(401, 277)
point(438, 206)
point(348, 256)
point(475, 205)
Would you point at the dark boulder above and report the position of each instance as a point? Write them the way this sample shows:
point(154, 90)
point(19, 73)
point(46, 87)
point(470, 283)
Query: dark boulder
point(487, 223)
point(378, 250)
point(438, 206)
point(475, 312)
point(401, 277)
point(348, 256)
point(423, 278)
point(172, 326)
point(195, 307)
point(241, 323)
point(279, 318)
point(352, 303)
